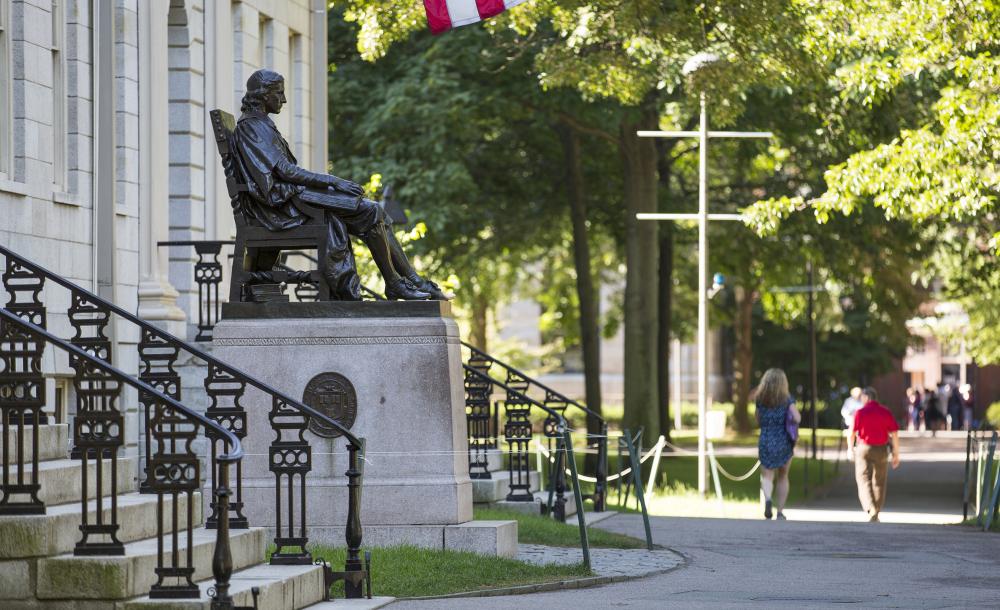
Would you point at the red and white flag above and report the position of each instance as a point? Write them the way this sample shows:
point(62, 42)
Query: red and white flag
point(442, 15)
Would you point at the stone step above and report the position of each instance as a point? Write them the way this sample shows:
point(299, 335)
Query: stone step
point(497, 488)
point(53, 441)
point(539, 506)
point(120, 578)
point(281, 588)
point(495, 460)
point(354, 604)
point(57, 531)
point(61, 480)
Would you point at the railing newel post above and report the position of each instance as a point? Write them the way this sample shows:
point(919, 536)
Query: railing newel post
point(353, 565)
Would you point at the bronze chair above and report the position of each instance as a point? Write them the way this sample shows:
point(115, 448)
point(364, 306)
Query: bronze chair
point(255, 242)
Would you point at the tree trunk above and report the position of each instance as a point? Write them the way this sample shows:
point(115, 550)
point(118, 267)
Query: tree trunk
point(665, 272)
point(641, 259)
point(743, 327)
point(666, 288)
point(480, 309)
point(590, 337)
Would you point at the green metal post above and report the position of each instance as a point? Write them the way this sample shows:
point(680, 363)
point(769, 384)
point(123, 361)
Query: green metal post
point(986, 479)
point(637, 484)
point(580, 517)
point(991, 507)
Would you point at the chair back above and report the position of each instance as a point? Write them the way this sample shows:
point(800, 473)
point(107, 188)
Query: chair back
point(223, 124)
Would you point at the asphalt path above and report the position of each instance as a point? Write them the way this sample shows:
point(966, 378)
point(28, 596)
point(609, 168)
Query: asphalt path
point(824, 556)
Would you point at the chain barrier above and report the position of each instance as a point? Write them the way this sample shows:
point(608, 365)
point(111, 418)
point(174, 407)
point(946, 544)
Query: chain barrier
point(739, 478)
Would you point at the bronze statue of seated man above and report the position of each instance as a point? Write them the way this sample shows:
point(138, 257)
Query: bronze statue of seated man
point(279, 189)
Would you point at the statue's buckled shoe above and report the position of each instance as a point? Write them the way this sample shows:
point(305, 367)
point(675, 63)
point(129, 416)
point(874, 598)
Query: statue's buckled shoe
point(403, 290)
point(425, 285)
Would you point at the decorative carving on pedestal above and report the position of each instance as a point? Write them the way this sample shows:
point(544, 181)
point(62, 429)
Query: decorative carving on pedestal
point(333, 395)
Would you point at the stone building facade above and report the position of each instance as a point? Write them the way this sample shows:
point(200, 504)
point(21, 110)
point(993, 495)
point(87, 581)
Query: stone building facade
point(106, 145)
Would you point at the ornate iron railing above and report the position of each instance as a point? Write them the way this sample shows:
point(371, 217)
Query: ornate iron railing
point(99, 434)
point(483, 416)
point(290, 457)
point(518, 433)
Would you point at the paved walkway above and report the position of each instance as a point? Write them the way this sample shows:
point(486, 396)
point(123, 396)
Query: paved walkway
point(605, 562)
point(734, 563)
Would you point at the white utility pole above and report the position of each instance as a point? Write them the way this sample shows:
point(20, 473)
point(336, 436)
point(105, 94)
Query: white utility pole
point(703, 134)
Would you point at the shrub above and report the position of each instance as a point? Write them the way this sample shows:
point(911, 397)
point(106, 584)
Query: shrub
point(993, 414)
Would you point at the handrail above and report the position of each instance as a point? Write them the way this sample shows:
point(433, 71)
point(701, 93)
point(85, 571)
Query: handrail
point(237, 448)
point(559, 395)
point(191, 349)
point(519, 394)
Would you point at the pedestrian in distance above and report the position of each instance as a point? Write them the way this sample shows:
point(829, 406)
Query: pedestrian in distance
point(868, 441)
point(968, 407)
point(779, 420)
point(932, 414)
point(913, 408)
point(955, 408)
point(851, 404)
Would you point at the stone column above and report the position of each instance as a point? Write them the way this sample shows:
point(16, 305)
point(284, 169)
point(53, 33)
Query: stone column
point(157, 297)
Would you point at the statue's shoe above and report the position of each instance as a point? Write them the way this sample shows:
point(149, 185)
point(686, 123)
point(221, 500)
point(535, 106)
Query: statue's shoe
point(403, 290)
point(425, 285)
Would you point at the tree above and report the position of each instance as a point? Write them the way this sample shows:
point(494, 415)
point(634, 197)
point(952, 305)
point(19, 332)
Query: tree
point(933, 61)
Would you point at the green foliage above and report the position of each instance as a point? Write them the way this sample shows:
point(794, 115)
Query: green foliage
point(933, 166)
point(460, 128)
point(993, 414)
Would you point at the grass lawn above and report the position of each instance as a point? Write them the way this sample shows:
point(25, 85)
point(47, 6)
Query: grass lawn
point(406, 571)
point(536, 529)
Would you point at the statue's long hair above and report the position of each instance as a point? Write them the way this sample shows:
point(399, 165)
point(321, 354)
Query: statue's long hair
point(257, 86)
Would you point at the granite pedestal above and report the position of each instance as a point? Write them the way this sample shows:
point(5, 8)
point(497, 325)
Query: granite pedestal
point(403, 360)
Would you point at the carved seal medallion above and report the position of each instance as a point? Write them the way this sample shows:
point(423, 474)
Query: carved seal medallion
point(332, 395)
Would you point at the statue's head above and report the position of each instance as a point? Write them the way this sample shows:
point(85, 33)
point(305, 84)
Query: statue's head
point(265, 92)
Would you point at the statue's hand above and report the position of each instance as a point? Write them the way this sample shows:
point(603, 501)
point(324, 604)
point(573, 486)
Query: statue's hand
point(352, 188)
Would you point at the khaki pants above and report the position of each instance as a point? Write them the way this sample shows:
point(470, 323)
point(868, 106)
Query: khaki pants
point(871, 470)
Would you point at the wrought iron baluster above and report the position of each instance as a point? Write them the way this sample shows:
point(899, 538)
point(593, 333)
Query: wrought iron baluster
point(208, 276)
point(479, 416)
point(22, 392)
point(552, 429)
point(290, 456)
point(517, 433)
point(225, 391)
point(157, 358)
point(98, 433)
point(175, 471)
point(600, 496)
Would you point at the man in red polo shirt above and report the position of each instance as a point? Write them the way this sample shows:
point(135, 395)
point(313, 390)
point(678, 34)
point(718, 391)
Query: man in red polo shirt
point(868, 442)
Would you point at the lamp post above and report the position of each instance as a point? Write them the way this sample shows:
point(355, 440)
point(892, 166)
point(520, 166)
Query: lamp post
point(693, 64)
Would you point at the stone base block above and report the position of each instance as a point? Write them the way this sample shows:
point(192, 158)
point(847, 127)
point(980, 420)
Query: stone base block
point(389, 371)
point(495, 538)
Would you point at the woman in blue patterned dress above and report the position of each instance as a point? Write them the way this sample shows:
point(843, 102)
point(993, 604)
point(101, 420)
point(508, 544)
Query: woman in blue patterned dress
point(774, 406)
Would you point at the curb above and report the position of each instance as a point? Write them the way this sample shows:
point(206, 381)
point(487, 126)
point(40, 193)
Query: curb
point(557, 585)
